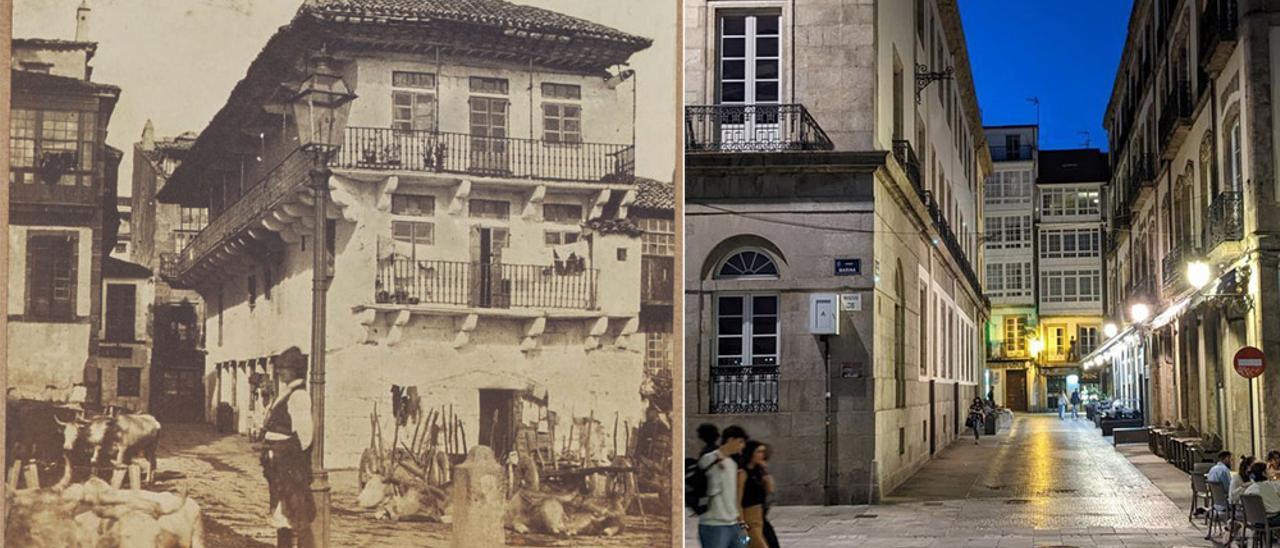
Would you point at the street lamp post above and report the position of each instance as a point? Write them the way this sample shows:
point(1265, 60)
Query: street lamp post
point(319, 114)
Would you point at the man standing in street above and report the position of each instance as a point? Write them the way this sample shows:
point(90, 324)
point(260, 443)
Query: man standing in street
point(721, 525)
point(1075, 403)
point(286, 453)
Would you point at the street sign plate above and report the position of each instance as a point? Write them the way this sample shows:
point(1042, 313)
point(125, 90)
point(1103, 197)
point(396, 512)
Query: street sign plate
point(848, 267)
point(1250, 362)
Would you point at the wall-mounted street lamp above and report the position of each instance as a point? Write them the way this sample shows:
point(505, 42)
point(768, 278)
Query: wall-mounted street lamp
point(1139, 312)
point(1198, 274)
point(1035, 347)
point(1110, 330)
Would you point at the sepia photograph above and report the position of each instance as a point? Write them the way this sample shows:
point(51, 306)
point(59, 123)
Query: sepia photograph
point(341, 273)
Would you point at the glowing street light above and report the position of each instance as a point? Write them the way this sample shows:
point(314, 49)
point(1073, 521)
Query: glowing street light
point(1198, 274)
point(1035, 347)
point(1139, 312)
point(1110, 330)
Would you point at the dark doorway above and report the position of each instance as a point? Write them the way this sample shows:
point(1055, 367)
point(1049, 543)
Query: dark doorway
point(956, 414)
point(1015, 389)
point(933, 415)
point(121, 312)
point(498, 416)
point(487, 289)
point(177, 365)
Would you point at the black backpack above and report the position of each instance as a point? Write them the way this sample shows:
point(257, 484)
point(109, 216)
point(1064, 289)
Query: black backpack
point(695, 486)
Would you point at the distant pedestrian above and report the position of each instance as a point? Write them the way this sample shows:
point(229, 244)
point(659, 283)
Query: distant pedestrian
point(977, 417)
point(1075, 404)
point(721, 524)
point(754, 487)
point(1062, 404)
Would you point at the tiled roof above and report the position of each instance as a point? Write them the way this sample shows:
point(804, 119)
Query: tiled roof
point(39, 81)
point(118, 269)
point(493, 13)
point(653, 194)
point(1081, 165)
point(53, 43)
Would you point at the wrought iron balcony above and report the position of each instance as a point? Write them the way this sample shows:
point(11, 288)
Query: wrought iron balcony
point(752, 128)
point(752, 389)
point(1173, 265)
point(1142, 290)
point(402, 280)
point(1175, 118)
point(1144, 171)
point(906, 157)
point(952, 244)
point(1226, 219)
point(1219, 30)
point(434, 151)
point(1007, 351)
point(1001, 153)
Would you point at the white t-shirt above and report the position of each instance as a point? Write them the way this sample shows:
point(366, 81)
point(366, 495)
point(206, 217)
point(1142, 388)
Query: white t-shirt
point(722, 489)
point(1270, 493)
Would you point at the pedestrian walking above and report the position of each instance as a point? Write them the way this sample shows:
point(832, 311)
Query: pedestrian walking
point(1062, 404)
point(977, 417)
point(721, 525)
point(754, 487)
point(286, 453)
point(1075, 404)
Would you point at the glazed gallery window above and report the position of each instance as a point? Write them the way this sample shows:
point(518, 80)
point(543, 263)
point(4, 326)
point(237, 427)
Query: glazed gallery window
point(1065, 201)
point(1015, 333)
point(1009, 279)
point(1070, 286)
point(1009, 187)
point(413, 101)
point(561, 113)
point(1070, 243)
point(659, 237)
point(746, 330)
point(1009, 232)
point(750, 59)
point(51, 276)
point(51, 146)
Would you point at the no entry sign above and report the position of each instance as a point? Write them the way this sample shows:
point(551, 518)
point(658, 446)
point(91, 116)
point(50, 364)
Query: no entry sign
point(1250, 362)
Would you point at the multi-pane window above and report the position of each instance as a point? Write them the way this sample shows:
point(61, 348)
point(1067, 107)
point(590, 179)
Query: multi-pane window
point(560, 237)
point(497, 86)
point(659, 237)
point(657, 351)
point(562, 213)
point(1015, 330)
point(489, 209)
point(1008, 232)
point(1065, 201)
point(1009, 279)
point(750, 59)
point(413, 101)
point(488, 123)
point(1070, 286)
point(1070, 242)
point(561, 113)
point(746, 330)
point(414, 233)
point(1009, 187)
point(51, 146)
point(414, 205)
point(1086, 339)
point(51, 276)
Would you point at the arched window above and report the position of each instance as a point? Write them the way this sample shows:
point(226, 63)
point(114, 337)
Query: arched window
point(748, 263)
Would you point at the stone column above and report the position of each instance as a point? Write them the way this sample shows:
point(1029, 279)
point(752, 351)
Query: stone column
point(478, 502)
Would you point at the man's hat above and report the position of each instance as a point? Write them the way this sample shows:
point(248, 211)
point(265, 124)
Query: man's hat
point(291, 358)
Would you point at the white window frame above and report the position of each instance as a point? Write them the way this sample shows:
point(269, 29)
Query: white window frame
point(1092, 237)
point(747, 358)
point(1069, 285)
point(749, 56)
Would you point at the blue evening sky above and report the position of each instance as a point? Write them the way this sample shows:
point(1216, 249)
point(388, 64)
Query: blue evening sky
point(1063, 51)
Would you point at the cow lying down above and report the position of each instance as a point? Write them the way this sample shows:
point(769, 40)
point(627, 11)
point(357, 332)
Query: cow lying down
point(95, 514)
point(561, 514)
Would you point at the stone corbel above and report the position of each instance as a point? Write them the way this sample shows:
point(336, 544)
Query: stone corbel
point(460, 195)
point(465, 325)
point(388, 188)
point(629, 330)
point(597, 209)
point(345, 203)
point(368, 318)
point(399, 319)
point(533, 330)
point(535, 200)
point(627, 199)
point(599, 327)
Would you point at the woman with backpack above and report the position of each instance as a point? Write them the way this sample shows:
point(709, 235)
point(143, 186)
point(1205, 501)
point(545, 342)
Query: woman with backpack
point(754, 487)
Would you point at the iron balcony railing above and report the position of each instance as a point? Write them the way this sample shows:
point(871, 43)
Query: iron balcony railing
point(1173, 264)
point(1142, 290)
point(402, 280)
point(1002, 153)
point(1226, 219)
point(1144, 170)
point(752, 128)
point(1175, 113)
point(1219, 27)
point(952, 243)
point(437, 151)
point(906, 156)
point(748, 389)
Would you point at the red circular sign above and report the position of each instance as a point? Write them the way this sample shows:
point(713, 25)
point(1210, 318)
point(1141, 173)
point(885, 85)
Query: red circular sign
point(1250, 362)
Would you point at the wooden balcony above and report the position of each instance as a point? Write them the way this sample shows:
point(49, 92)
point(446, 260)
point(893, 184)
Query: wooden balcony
point(402, 280)
point(386, 149)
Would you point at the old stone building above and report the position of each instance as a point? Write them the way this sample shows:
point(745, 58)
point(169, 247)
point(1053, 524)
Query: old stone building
point(834, 159)
point(478, 235)
point(1190, 267)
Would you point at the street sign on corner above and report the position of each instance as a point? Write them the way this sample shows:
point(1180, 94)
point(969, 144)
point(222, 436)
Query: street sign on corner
point(848, 267)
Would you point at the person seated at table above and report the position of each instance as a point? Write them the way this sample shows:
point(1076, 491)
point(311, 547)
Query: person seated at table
point(1221, 473)
point(1269, 490)
point(1240, 480)
point(1273, 464)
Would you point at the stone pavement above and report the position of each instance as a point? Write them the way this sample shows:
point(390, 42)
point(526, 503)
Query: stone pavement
point(222, 473)
point(1047, 482)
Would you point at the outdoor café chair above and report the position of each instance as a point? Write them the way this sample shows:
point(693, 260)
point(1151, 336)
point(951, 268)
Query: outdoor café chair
point(1200, 496)
point(1255, 520)
point(1217, 518)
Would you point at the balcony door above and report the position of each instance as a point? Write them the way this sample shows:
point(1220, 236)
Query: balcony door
point(487, 289)
point(750, 79)
point(489, 153)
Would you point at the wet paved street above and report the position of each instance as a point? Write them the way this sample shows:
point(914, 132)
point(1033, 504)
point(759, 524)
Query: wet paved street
point(1044, 483)
point(222, 473)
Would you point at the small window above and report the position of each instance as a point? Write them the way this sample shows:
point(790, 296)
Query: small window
point(562, 213)
point(568, 92)
point(122, 247)
point(413, 232)
point(561, 123)
point(496, 86)
point(553, 237)
point(622, 254)
point(489, 209)
point(413, 205)
point(748, 263)
point(417, 80)
point(129, 382)
point(659, 237)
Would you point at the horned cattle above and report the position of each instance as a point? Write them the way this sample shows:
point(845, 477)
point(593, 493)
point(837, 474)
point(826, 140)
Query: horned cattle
point(127, 435)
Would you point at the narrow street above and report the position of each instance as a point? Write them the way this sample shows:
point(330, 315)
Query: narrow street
point(222, 473)
point(1046, 482)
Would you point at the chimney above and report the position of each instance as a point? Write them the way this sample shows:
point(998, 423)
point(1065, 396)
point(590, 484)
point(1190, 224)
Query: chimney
point(82, 22)
point(148, 136)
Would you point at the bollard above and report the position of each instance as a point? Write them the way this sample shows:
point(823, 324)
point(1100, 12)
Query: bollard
point(478, 506)
point(31, 475)
point(117, 477)
point(135, 477)
point(15, 472)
